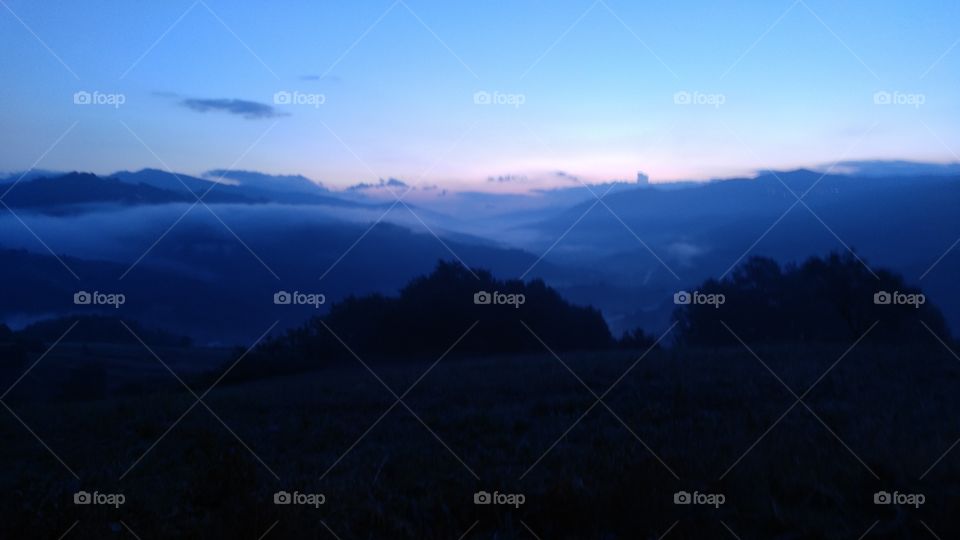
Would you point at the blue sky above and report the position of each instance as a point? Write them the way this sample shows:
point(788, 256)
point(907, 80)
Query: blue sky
point(599, 90)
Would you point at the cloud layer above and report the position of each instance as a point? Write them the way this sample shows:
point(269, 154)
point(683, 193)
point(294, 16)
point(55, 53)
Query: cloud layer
point(251, 110)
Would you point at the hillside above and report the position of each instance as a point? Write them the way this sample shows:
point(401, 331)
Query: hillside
point(652, 242)
point(522, 425)
point(202, 282)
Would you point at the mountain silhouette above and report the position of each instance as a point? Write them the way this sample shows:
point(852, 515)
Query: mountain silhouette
point(240, 186)
point(77, 188)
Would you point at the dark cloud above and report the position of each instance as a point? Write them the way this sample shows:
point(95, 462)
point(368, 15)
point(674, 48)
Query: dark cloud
point(567, 176)
point(392, 183)
point(250, 110)
point(502, 179)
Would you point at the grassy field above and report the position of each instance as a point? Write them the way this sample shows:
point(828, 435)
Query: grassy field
point(109, 369)
point(704, 421)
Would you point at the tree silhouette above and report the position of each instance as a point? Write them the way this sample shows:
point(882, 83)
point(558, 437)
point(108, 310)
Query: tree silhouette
point(431, 314)
point(827, 300)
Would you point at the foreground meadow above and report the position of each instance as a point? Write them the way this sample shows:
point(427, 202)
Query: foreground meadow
point(797, 440)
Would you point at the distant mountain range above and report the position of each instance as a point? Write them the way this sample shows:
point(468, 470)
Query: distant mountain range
point(252, 187)
point(877, 168)
point(73, 191)
point(78, 189)
point(206, 273)
point(654, 240)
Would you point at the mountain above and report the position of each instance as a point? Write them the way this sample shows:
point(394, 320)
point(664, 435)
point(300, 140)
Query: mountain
point(199, 280)
point(520, 206)
point(241, 186)
point(169, 181)
point(84, 189)
point(281, 183)
point(696, 214)
point(75, 192)
point(880, 168)
point(627, 256)
point(905, 223)
point(27, 175)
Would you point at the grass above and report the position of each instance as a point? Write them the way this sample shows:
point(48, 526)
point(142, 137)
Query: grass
point(120, 368)
point(704, 413)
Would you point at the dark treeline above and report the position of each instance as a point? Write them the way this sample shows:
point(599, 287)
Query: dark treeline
point(428, 316)
point(822, 300)
point(100, 329)
point(829, 299)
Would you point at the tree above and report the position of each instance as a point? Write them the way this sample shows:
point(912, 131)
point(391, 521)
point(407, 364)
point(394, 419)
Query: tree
point(430, 315)
point(829, 300)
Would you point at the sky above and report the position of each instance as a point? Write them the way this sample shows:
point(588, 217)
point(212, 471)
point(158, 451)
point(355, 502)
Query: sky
point(455, 94)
